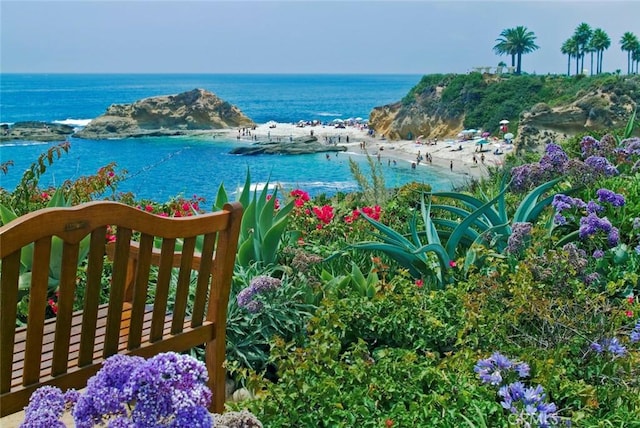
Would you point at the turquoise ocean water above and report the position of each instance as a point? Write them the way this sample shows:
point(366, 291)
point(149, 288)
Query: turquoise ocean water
point(160, 168)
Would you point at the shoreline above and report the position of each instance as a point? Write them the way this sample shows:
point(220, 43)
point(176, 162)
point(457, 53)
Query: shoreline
point(443, 153)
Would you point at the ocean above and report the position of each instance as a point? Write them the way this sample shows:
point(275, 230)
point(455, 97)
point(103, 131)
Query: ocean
point(162, 168)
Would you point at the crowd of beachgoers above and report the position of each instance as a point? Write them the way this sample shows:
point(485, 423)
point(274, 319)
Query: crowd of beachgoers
point(459, 155)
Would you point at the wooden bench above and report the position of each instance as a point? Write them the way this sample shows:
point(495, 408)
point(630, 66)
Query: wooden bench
point(66, 350)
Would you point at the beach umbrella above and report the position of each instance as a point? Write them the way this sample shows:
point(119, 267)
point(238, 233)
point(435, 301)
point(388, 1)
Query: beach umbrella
point(504, 122)
point(358, 119)
point(486, 134)
point(508, 136)
point(481, 141)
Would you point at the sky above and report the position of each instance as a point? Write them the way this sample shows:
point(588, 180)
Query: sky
point(296, 36)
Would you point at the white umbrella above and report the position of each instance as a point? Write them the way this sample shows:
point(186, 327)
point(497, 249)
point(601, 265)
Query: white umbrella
point(504, 122)
point(508, 136)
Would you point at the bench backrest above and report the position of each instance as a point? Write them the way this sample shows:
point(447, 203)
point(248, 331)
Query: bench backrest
point(206, 243)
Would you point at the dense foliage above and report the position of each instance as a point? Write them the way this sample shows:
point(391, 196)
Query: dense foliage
point(484, 102)
point(532, 317)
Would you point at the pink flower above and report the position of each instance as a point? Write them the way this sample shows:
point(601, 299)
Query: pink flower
point(630, 300)
point(629, 314)
point(148, 208)
point(419, 283)
point(452, 263)
point(324, 214)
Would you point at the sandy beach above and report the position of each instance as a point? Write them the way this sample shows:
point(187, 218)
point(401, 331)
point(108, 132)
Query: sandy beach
point(452, 155)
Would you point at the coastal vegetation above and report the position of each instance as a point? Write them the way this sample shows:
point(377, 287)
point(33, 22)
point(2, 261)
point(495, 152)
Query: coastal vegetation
point(511, 301)
point(481, 102)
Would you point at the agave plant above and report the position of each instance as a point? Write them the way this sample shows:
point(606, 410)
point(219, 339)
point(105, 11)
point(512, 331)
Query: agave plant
point(412, 252)
point(263, 227)
point(486, 218)
point(479, 219)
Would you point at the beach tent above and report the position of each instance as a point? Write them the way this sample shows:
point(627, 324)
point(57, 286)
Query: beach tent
point(504, 122)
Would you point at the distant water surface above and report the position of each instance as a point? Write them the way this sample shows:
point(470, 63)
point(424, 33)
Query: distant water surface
point(160, 168)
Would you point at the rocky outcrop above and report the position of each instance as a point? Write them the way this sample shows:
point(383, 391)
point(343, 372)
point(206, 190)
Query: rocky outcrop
point(442, 105)
point(295, 146)
point(182, 114)
point(398, 122)
point(592, 111)
point(35, 131)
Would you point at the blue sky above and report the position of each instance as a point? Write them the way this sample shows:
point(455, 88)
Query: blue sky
point(404, 37)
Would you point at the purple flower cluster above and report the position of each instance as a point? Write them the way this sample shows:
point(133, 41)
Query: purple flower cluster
point(601, 165)
point(563, 202)
point(554, 158)
point(528, 404)
point(46, 405)
point(518, 238)
point(589, 146)
point(634, 336)
point(592, 224)
point(555, 163)
point(606, 147)
point(493, 369)
point(167, 390)
point(613, 346)
point(628, 148)
point(606, 195)
point(259, 285)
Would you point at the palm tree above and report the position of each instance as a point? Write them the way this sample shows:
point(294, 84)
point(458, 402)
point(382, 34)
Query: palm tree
point(635, 57)
point(569, 48)
point(582, 34)
point(600, 41)
point(590, 50)
point(629, 43)
point(515, 42)
point(504, 46)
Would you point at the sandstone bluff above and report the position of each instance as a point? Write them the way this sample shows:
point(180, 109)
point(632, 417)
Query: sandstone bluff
point(186, 113)
point(539, 108)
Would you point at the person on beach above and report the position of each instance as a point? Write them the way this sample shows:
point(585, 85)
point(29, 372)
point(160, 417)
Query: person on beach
point(413, 165)
point(451, 165)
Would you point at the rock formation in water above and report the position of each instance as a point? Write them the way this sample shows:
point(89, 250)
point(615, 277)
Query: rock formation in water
point(182, 114)
point(294, 146)
point(35, 131)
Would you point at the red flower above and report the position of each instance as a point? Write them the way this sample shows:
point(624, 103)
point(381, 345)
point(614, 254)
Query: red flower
point(148, 208)
point(300, 194)
point(53, 305)
point(372, 212)
point(389, 422)
point(630, 300)
point(629, 314)
point(452, 263)
point(324, 214)
point(419, 283)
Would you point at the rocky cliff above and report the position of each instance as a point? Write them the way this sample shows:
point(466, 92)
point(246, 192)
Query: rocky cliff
point(181, 114)
point(595, 110)
point(539, 108)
